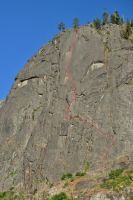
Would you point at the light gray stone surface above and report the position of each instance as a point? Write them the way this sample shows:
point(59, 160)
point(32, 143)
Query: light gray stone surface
point(36, 141)
point(1, 103)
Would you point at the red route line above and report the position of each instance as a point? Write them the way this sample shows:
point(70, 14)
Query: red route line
point(69, 73)
point(88, 120)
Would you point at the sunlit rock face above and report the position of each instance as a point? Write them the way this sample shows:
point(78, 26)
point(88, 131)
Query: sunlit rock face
point(1, 103)
point(72, 104)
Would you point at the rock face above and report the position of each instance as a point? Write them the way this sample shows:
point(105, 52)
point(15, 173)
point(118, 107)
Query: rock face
point(72, 104)
point(1, 103)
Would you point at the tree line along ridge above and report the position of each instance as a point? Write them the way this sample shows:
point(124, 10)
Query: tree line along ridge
point(98, 23)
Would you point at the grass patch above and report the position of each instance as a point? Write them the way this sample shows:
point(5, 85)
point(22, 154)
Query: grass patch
point(60, 196)
point(10, 195)
point(117, 180)
point(13, 173)
point(71, 177)
point(80, 174)
point(66, 176)
point(115, 173)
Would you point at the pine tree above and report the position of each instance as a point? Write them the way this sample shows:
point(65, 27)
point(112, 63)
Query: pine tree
point(131, 22)
point(106, 18)
point(61, 26)
point(128, 30)
point(75, 23)
point(97, 23)
point(115, 18)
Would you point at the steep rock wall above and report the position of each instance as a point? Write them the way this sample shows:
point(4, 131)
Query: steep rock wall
point(72, 104)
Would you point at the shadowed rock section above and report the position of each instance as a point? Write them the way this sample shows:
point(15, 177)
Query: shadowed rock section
point(37, 141)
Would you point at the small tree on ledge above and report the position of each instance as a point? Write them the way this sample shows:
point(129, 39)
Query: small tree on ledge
point(75, 23)
point(106, 18)
point(97, 23)
point(61, 26)
point(115, 18)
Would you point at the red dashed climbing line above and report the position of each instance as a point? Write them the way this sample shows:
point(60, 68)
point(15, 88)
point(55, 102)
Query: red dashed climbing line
point(68, 116)
point(69, 75)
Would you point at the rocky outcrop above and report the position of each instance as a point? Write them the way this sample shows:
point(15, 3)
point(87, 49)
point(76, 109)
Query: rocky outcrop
point(1, 103)
point(70, 105)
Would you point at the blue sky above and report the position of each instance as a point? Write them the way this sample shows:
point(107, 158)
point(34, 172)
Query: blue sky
point(26, 25)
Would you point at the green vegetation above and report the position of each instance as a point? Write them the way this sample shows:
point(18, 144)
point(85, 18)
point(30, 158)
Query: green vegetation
point(66, 176)
point(10, 195)
point(13, 173)
point(106, 18)
point(61, 26)
point(80, 174)
point(60, 196)
point(75, 23)
point(117, 184)
point(115, 173)
point(131, 22)
point(117, 180)
point(127, 31)
point(97, 23)
point(66, 184)
point(70, 176)
point(115, 18)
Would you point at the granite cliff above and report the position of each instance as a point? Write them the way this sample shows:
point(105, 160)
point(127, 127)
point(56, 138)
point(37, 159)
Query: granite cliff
point(70, 106)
